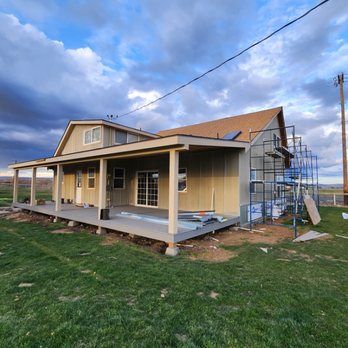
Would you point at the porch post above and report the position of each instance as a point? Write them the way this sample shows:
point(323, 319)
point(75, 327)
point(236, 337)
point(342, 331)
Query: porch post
point(15, 186)
point(173, 199)
point(102, 186)
point(59, 179)
point(33, 188)
point(102, 191)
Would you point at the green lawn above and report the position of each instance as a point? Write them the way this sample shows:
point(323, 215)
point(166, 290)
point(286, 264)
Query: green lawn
point(24, 192)
point(262, 301)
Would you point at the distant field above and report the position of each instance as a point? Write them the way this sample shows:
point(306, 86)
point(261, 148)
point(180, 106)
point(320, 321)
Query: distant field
point(330, 191)
point(6, 194)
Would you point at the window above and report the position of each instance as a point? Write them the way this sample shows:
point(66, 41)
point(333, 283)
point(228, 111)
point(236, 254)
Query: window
point(120, 137)
point(276, 140)
point(131, 138)
point(91, 178)
point(182, 180)
point(119, 178)
point(253, 177)
point(92, 136)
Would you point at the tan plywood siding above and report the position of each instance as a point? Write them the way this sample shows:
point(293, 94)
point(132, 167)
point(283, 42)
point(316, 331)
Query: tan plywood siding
point(212, 180)
point(119, 196)
point(75, 140)
point(89, 195)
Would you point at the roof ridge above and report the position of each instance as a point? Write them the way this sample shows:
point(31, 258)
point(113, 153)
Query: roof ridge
point(279, 108)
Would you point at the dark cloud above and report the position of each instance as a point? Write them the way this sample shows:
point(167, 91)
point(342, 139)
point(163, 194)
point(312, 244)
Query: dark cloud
point(151, 47)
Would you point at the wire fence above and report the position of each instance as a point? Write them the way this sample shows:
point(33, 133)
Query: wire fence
point(332, 199)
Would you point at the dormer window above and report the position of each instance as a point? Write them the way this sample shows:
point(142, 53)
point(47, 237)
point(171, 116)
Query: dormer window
point(122, 137)
point(92, 136)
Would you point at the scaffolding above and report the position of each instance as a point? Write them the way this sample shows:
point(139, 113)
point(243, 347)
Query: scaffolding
point(283, 171)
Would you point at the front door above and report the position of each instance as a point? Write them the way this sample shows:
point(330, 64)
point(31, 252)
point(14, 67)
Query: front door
point(78, 187)
point(147, 188)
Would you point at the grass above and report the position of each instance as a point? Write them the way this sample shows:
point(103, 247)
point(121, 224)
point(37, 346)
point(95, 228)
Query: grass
point(262, 301)
point(6, 193)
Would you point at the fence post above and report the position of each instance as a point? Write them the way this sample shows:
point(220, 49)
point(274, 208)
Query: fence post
point(334, 198)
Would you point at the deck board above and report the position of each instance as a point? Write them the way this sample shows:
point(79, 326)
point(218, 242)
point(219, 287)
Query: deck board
point(141, 228)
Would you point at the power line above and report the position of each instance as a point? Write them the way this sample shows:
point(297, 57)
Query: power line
point(223, 63)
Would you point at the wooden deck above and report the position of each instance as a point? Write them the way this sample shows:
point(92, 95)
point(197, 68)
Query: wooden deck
point(123, 224)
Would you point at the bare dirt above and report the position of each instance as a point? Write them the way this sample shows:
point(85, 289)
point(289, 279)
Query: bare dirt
point(207, 248)
point(210, 247)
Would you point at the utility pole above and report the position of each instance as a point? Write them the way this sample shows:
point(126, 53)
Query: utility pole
point(340, 82)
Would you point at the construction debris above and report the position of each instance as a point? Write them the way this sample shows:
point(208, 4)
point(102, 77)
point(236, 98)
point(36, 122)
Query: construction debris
point(338, 235)
point(312, 210)
point(309, 236)
point(213, 295)
point(190, 225)
point(25, 285)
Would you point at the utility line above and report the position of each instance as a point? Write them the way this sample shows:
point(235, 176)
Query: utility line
point(223, 63)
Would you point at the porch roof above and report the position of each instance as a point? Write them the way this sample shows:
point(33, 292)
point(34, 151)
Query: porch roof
point(145, 147)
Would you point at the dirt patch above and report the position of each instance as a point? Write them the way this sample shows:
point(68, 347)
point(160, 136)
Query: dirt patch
point(69, 298)
point(212, 254)
point(62, 231)
point(32, 217)
point(114, 237)
point(209, 247)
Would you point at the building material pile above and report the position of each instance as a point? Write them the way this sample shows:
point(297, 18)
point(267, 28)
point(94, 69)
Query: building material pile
point(187, 220)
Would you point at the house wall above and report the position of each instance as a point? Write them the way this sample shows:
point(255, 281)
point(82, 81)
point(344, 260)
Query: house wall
point(75, 141)
point(212, 181)
point(89, 195)
point(244, 165)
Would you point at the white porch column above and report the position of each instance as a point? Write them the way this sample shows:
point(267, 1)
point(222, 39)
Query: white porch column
point(58, 183)
point(102, 186)
point(15, 186)
point(33, 188)
point(173, 191)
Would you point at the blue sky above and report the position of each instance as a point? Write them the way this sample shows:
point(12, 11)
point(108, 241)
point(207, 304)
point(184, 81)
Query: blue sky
point(62, 60)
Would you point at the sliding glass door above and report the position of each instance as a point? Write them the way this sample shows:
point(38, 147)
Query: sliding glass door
point(147, 188)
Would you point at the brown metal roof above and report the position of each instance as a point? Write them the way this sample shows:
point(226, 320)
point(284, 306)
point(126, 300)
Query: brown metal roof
point(219, 128)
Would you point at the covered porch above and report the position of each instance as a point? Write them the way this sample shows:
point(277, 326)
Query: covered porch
point(212, 179)
point(148, 229)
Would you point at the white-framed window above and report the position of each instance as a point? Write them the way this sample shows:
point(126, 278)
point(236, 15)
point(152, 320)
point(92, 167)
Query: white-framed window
point(132, 138)
point(182, 180)
point(91, 178)
point(92, 135)
point(276, 140)
point(120, 137)
point(119, 178)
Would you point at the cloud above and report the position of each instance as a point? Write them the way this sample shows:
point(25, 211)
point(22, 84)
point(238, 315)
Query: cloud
point(91, 59)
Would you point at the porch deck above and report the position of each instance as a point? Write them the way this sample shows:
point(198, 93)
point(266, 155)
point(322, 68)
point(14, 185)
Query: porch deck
point(123, 224)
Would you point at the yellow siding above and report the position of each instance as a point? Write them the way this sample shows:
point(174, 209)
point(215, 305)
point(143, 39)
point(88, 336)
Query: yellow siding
point(212, 181)
point(76, 138)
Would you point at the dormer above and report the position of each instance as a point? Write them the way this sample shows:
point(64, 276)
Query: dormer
point(83, 135)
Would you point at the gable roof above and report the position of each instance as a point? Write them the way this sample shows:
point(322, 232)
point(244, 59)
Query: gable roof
point(72, 123)
point(220, 127)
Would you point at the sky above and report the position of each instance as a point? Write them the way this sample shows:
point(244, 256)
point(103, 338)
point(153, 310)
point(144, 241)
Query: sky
point(62, 60)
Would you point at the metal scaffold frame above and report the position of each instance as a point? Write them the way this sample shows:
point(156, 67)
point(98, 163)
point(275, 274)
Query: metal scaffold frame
point(283, 171)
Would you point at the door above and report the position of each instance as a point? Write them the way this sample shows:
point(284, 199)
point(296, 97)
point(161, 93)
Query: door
point(147, 188)
point(78, 187)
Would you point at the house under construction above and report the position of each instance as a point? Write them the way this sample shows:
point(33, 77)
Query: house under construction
point(283, 171)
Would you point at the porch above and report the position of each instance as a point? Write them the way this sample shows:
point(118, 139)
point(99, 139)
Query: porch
point(178, 173)
point(154, 230)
